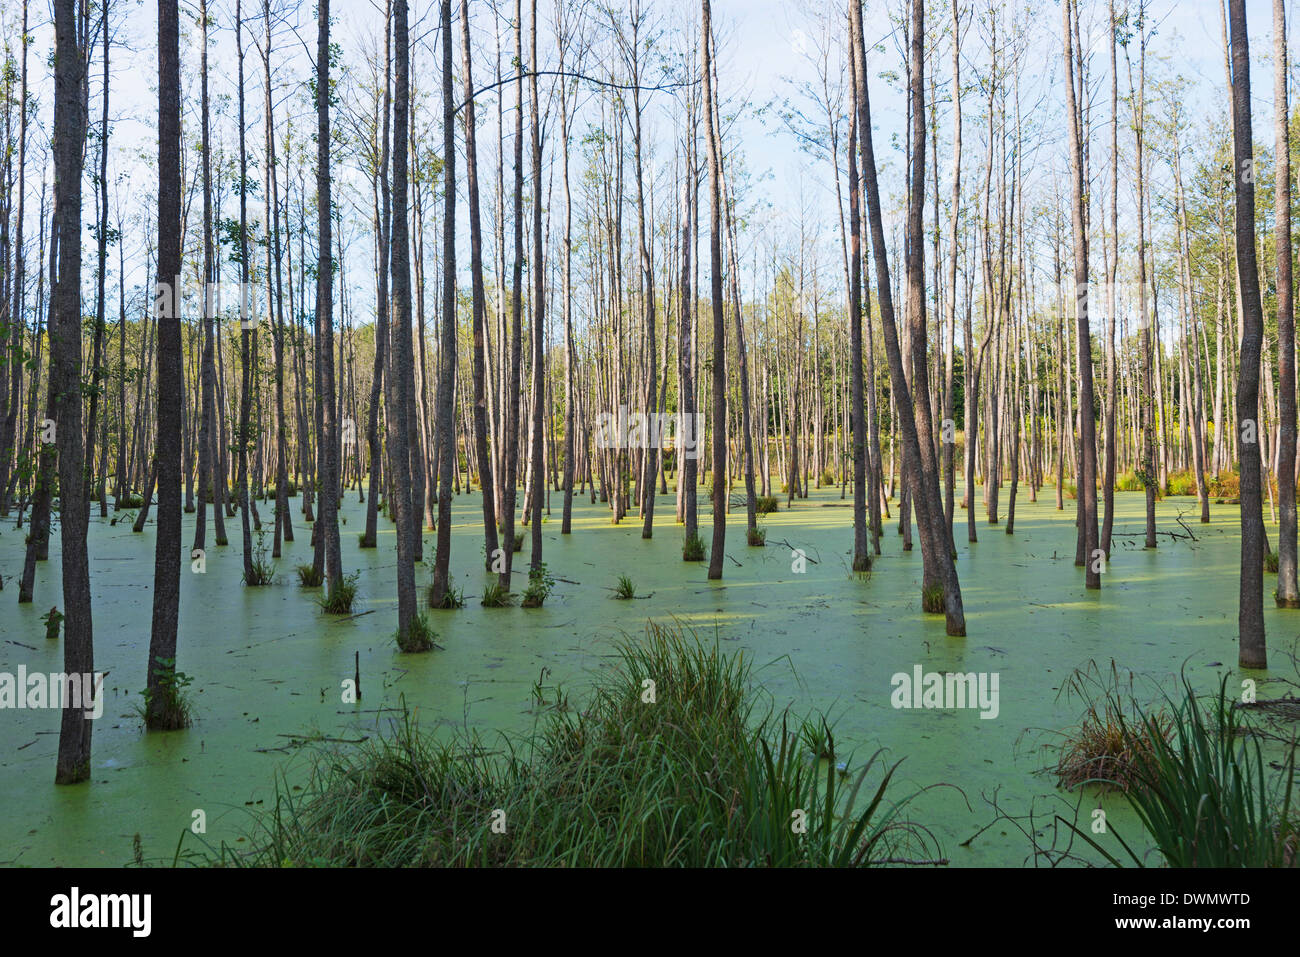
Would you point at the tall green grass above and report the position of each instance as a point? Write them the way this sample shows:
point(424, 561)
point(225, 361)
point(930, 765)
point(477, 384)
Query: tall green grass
point(667, 765)
point(1202, 788)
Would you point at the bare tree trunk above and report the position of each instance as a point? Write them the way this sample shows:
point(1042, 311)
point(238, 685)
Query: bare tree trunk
point(73, 763)
point(400, 373)
point(1087, 484)
point(1288, 593)
point(1250, 615)
point(918, 442)
point(167, 561)
point(486, 484)
point(447, 371)
point(719, 327)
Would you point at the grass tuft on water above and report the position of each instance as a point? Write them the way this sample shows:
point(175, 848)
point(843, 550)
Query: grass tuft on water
point(1195, 773)
point(667, 765)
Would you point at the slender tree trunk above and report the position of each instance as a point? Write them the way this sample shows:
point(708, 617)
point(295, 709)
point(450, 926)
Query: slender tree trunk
point(167, 563)
point(719, 327)
point(447, 371)
point(1087, 484)
point(73, 763)
point(1250, 615)
point(1288, 593)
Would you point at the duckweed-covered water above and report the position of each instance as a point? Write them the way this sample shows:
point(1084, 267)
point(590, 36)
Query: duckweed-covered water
point(268, 665)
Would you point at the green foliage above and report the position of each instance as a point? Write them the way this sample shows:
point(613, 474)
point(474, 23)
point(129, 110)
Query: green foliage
point(262, 569)
point(765, 504)
point(693, 548)
point(172, 709)
point(53, 621)
point(932, 599)
point(419, 636)
point(339, 599)
point(452, 598)
point(625, 589)
point(1181, 482)
point(756, 537)
point(309, 577)
point(1227, 484)
point(1129, 481)
point(540, 585)
point(496, 596)
point(686, 776)
point(1201, 789)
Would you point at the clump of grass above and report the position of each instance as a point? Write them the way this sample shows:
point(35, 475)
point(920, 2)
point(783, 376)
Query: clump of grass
point(496, 596)
point(1104, 748)
point(685, 774)
point(693, 548)
point(756, 537)
point(452, 598)
point(540, 585)
point(932, 599)
point(1201, 790)
point(129, 500)
point(419, 636)
point(365, 540)
point(170, 707)
point(339, 599)
point(309, 577)
point(625, 590)
point(765, 504)
point(827, 477)
point(1270, 562)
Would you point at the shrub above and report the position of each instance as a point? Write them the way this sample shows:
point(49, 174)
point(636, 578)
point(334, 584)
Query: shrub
point(1181, 482)
point(261, 570)
point(766, 504)
point(1270, 562)
point(1227, 484)
point(53, 622)
point(169, 708)
point(1128, 481)
point(540, 584)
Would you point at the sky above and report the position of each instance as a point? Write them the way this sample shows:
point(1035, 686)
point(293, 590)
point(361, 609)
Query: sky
point(763, 46)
